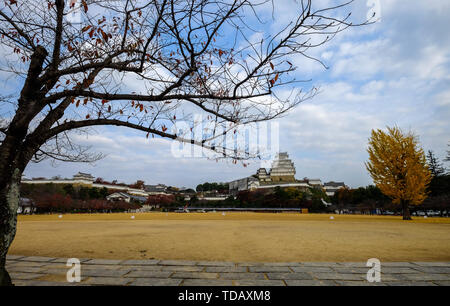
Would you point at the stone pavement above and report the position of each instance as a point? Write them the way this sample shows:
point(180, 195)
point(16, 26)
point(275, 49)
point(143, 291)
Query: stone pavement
point(47, 271)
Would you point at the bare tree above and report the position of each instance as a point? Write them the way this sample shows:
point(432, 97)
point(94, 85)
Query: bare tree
point(196, 56)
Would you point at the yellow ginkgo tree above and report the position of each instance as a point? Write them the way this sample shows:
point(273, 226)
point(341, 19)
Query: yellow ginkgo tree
point(397, 165)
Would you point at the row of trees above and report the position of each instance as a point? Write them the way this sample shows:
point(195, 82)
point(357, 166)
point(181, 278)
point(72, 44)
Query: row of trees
point(78, 192)
point(439, 187)
point(346, 197)
point(277, 198)
point(162, 200)
point(58, 203)
point(219, 187)
point(72, 198)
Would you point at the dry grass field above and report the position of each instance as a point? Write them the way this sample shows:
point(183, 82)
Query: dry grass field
point(263, 237)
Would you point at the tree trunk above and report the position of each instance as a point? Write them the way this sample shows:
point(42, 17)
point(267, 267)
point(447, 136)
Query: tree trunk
point(9, 203)
point(405, 207)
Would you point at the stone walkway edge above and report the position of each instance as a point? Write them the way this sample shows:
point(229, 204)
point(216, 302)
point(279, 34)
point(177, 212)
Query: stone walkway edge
point(50, 271)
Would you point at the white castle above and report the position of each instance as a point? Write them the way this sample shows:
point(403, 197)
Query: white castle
point(281, 174)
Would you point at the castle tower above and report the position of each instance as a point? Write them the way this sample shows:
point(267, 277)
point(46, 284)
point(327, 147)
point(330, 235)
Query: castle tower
point(262, 175)
point(283, 169)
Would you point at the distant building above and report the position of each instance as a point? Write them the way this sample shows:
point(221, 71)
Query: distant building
point(242, 184)
point(88, 180)
point(123, 196)
point(283, 169)
point(262, 175)
point(84, 177)
point(155, 189)
point(332, 187)
point(282, 174)
point(314, 182)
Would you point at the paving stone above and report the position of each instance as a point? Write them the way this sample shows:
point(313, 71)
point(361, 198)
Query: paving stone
point(207, 282)
point(442, 283)
point(43, 283)
point(433, 264)
point(177, 263)
point(48, 271)
point(141, 268)
point(22, 283)
point(354, 264)
point(398, 264)
point(194, 275)
point(108, 281)
point(339, 276)
point(183, 268)
point(29, 264)
point(269, 269)
point(282, 264)
point(25, 269)
point(20, 275)
point(226, 269)
point(55, 266)
point(101, 267)
point(433, 270)
point(320, 264)
point(248, 282)
point(426, 277)
point(149, 274)
point(13, 257)
point(307, 282)
point(64, 260)
point(300, 275)
point(37, 258)
point(236, 276)
point(60, 278)
point(312, 269)
point(359, 283)
point(56, 271)
point(104, 273)
point(103, 262)
point(395, 270)
point(250, 264)
point(216, 263)
point(146, 262)
point(156, 282)
point(349, 270)
point(410, 284)
point(390, 277)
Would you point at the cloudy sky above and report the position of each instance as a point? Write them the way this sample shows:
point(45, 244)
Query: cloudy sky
point(395, 72)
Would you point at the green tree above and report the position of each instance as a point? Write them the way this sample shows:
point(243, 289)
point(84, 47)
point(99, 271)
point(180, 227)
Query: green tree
point(94, 193)
point(69, 189)
point(103, 192)
point(83, 193)
point(434, 165)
